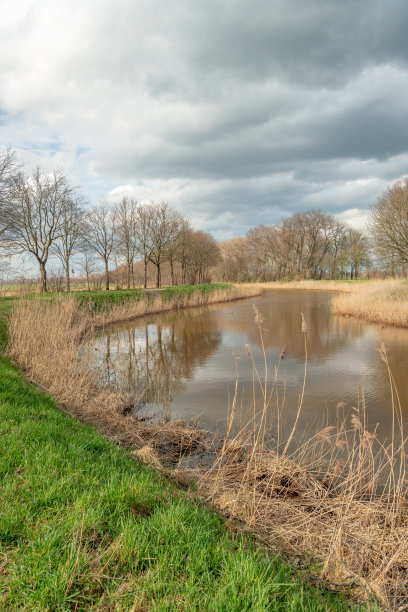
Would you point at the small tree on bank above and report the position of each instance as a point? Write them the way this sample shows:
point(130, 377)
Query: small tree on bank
point(127, 235)
point(71, 238)
point(164, 228)
point(100, 234)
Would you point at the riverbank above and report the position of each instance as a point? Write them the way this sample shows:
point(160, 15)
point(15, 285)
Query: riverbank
point(376, 301)
point(343, 286)
point(85, 526)
point(315, 499)
point(383, 302)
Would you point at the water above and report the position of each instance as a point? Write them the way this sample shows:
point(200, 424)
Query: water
point(185, 364)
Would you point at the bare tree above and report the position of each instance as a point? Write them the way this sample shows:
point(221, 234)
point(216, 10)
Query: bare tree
point(164, 225)
point(143, 220)
point(100, 234)
point(205, 253)
point(358, 251)
point(87, 263)
point(184, 245)
point(389, 224)
point(234, 263)
point(35, 217)
point(263, 250)
point(176, 240)
point(9, 168)
point(126, 217)
point(71, 238)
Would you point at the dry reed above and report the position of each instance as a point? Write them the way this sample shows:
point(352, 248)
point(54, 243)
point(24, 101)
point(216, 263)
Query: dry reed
point(378, 301)
point(45, 339)
point(383, 302)
point(319, 495)
point(315, 285)
point(340, 494)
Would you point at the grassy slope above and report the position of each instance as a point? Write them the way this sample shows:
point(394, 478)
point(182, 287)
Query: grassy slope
point(84, 526)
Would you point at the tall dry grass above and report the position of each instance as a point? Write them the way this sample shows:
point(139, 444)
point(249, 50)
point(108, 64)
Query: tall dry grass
point(378, 301)
point(338, 494)
point(383, 302)
point(346, 287)
point(45, 339)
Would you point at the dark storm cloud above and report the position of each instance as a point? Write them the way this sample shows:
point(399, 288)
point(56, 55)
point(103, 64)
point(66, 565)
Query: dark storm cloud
point(237, 112)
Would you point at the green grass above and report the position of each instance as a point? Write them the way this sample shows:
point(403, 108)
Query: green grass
point(84, 526)
point(105, 299)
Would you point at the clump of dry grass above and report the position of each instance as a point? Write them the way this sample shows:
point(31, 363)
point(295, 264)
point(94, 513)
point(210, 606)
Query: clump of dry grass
point(339, 494)
point(380, 302)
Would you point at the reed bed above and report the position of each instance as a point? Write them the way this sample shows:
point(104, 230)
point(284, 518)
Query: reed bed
point(338, 496)
point(377, 301)
point(383, 302)
point(316, 285)
point(45, 339)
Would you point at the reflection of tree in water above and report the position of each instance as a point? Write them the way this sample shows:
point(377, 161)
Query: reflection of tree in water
point(154, 358)
point(282, 310)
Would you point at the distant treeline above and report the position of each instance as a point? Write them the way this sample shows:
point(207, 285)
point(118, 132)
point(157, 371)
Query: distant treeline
point(316, 245)
point(42, 215)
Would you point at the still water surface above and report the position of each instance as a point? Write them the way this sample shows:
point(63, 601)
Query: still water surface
point(185, 363)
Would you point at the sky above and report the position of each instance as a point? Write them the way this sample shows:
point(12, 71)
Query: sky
point(235, 112)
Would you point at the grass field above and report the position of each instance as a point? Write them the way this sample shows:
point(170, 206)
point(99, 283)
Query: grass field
point(83, 526)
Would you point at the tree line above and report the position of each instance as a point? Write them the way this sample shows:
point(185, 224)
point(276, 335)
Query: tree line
point(316, 245)
point(306, 245)
point(43, 215)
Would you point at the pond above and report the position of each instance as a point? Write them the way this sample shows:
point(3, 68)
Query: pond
point(189, 364)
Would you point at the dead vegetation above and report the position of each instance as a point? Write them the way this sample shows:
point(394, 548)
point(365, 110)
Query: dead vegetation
point(382, 302)
point(338, 495)
point(45, 339)
point(316, 285)
point(378, 301)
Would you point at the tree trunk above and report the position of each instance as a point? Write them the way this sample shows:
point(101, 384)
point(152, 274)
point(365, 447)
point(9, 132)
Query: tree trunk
point(145, 274)
point(106, 276)
point(172, 272)
point(67, 276)
point(129, 271)
point(43, 277)
point(158, 277)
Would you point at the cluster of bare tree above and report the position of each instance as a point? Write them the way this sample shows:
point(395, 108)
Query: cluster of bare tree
point(154, 233)
point(305, 245)
point(43, 215)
